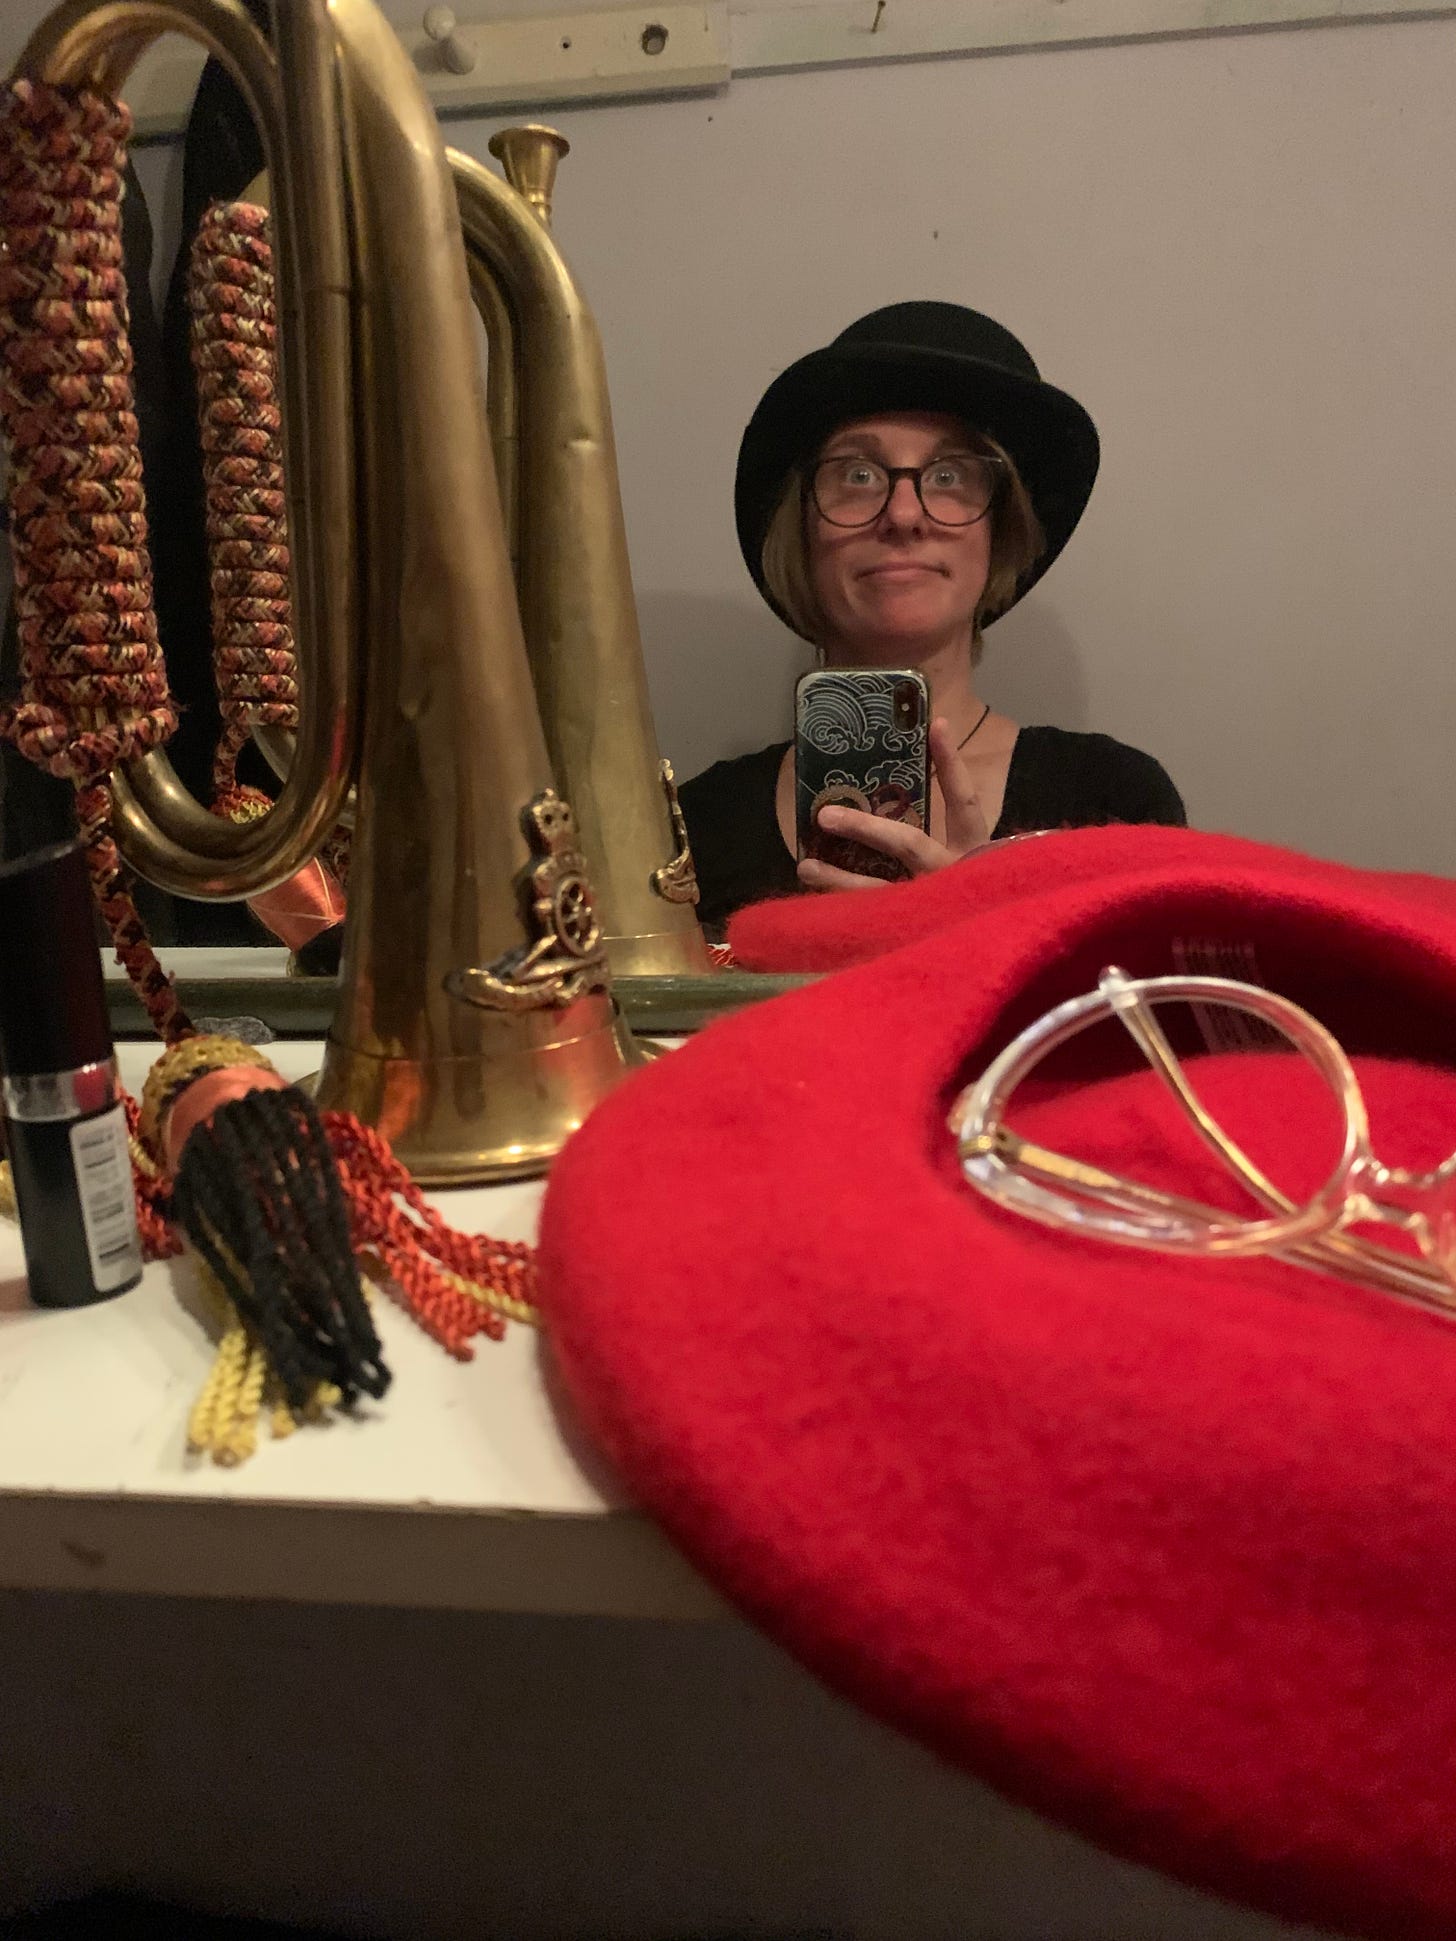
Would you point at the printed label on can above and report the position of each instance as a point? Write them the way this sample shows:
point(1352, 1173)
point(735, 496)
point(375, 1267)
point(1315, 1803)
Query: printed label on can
point(108, 1203)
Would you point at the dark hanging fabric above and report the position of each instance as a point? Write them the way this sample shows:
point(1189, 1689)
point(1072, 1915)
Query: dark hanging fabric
point(221, 154)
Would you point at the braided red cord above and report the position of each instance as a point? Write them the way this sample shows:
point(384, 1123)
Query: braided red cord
point(391, 1219)
point(234, 351)
point(111, 886)
point(94, 687)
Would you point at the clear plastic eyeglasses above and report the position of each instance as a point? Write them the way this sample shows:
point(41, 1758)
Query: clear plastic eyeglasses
point(1066, 1193)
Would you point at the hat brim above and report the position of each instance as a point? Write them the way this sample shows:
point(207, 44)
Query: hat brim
point(830, 933)
point(1047, 434)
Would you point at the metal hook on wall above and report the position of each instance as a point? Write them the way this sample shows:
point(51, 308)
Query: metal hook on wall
point(443, 29)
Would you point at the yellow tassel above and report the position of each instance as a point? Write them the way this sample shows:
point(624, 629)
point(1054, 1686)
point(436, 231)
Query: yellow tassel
point(210, 1429)
point(247, 1407)
point(239, 1386)
point(223, 1423)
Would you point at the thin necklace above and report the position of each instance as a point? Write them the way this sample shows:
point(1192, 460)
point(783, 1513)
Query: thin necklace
point(976, 730)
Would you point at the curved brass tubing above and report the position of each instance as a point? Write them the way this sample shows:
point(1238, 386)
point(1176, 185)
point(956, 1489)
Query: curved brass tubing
point(500, 397)
point(573, 574)
point(475, 1028)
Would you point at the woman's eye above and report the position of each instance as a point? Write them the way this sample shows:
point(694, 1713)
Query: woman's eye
point(858, 473)
point(945, 476)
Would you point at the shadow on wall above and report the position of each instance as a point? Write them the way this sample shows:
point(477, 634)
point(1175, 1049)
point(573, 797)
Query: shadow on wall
point(722, 675)
point(1033, 669)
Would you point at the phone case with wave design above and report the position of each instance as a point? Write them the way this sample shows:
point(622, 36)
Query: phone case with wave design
point(860, 740)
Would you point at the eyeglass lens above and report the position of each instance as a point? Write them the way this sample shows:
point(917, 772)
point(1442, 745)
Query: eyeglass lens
point(1287, 1123)
point(955, 490)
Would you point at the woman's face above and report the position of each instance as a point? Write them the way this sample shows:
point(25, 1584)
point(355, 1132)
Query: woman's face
point(903, 582)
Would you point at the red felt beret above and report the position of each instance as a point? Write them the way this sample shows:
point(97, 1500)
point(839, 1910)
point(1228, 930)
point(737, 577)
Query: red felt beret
point(822, 933)
point(1163, 1548)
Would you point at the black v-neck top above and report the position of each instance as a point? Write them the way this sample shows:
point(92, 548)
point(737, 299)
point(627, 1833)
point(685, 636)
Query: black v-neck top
point(1057, 780)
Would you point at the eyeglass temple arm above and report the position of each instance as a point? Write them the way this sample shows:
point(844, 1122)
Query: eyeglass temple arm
point(1365, 1262)
point(1147, 1034)
point(1012, 1150)
point(1074, 1173)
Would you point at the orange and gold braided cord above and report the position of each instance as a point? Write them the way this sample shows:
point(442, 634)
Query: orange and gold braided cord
point(456, 1285)
point(234, 352)
point(94, 686)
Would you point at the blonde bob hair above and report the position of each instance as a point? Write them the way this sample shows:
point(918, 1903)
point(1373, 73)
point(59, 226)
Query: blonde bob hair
point(1016, 544)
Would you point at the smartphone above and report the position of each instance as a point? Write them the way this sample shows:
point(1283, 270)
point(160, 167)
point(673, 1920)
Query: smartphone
point(861, 741)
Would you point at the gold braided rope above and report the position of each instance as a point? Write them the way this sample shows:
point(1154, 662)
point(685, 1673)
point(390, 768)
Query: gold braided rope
point(223, 1424)
point(178, 1066)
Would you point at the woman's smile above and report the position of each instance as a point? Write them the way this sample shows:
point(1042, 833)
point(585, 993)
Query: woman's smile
point(894, 570)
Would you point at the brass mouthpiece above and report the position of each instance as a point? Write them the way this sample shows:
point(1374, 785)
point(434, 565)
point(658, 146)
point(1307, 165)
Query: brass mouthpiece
point(528, 156)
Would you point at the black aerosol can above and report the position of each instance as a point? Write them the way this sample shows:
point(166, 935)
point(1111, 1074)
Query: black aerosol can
point(65, 1125)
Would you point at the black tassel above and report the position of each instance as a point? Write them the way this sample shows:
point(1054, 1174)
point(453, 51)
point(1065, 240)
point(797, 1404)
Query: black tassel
point(257, 1193)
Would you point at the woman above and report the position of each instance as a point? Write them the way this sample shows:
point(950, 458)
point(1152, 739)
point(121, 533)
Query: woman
point(897, 492)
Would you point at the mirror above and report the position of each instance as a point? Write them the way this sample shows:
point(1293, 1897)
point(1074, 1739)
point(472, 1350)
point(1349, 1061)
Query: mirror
point(1222, 250)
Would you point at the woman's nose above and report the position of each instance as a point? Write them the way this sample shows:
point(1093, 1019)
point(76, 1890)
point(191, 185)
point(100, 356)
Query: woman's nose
point(903, 507)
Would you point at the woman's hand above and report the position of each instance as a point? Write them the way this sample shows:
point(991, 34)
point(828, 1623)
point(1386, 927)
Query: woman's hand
point(965, 827)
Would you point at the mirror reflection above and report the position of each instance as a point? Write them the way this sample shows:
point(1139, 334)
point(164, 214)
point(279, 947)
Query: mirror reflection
point(904, 440)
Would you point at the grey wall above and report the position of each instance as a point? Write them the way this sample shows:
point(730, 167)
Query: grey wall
point(1238, 252)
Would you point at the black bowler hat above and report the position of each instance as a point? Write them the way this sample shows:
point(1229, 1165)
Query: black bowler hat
point(921, 357)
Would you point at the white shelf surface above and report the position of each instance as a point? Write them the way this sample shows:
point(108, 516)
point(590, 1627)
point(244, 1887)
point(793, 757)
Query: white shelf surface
point(468, 1487)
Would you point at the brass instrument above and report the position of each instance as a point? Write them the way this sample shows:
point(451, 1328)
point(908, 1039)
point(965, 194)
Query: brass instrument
point(551, 421)
point(475, 1026)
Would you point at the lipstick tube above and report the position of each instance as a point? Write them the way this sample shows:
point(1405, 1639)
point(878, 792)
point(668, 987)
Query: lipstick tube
point(65, 1125)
